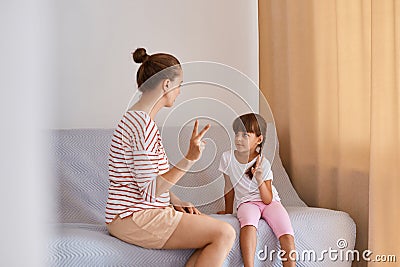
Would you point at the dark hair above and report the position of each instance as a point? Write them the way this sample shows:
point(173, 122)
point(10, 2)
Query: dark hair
point(154, 64)
point(251, 123)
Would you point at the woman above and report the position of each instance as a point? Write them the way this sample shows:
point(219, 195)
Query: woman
point(139, 209)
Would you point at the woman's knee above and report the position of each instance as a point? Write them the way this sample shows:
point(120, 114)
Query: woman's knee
point(225, 233)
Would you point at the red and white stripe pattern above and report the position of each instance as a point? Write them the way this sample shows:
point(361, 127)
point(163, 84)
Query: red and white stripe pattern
point(136, 158)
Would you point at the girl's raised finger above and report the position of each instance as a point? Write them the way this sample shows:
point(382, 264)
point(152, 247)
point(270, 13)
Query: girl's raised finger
point(258, 162)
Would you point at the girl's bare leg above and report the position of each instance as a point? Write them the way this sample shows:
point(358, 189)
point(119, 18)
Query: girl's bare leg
point(248, 243)
point(287, 244)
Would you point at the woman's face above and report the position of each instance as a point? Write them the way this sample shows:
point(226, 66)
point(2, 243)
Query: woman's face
point(174, 90)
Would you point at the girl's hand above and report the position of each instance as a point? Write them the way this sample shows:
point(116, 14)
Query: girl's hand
point(196, 145)
point(257, 170)
point(186, 207)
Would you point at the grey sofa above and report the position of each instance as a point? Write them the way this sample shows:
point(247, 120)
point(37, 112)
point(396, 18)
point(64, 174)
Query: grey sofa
point(81, 178)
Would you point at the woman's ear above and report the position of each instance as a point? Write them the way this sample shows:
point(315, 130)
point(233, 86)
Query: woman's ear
point(166, 84)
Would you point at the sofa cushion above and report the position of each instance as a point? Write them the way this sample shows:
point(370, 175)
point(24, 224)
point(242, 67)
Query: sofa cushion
point(79, 244)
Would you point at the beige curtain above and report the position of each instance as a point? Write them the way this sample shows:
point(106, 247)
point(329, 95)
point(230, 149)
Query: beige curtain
point(330, 72)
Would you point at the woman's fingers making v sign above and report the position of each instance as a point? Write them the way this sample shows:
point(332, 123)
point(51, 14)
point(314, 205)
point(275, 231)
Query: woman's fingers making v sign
point(197, 145)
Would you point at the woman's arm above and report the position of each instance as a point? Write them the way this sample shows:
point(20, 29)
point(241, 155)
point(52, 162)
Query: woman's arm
point(196, 147)
point(229, 195)
point(167, 180)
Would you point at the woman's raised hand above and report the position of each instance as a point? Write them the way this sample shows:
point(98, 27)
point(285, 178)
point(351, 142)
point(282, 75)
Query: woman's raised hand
point(197, 145)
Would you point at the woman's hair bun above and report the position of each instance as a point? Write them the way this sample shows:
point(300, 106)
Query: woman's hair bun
point(140, 55)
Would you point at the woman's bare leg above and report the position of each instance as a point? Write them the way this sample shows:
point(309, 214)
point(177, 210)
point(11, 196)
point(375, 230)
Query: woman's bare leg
point(215, 239)
point(192, 260)
point(248, 243)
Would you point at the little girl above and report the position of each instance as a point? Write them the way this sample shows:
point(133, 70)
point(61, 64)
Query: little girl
point(248, 181)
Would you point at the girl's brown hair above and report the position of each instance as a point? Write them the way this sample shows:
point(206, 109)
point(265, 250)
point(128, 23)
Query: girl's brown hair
point(251, 123)
point(166, 66)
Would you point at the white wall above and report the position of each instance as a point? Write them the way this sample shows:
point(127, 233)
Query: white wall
point(68, 65)
point(96, 72)
point(26, 74)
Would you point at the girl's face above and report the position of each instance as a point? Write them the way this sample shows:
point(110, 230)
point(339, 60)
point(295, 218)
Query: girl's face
point(247, 142)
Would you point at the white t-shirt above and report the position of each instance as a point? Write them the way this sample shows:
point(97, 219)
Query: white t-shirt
point(245, 189)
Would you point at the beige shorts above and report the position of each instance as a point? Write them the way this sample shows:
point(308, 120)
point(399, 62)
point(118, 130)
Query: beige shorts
point(150, 228)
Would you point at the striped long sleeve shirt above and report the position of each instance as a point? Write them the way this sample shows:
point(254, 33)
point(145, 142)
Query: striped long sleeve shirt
point(136, 158)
